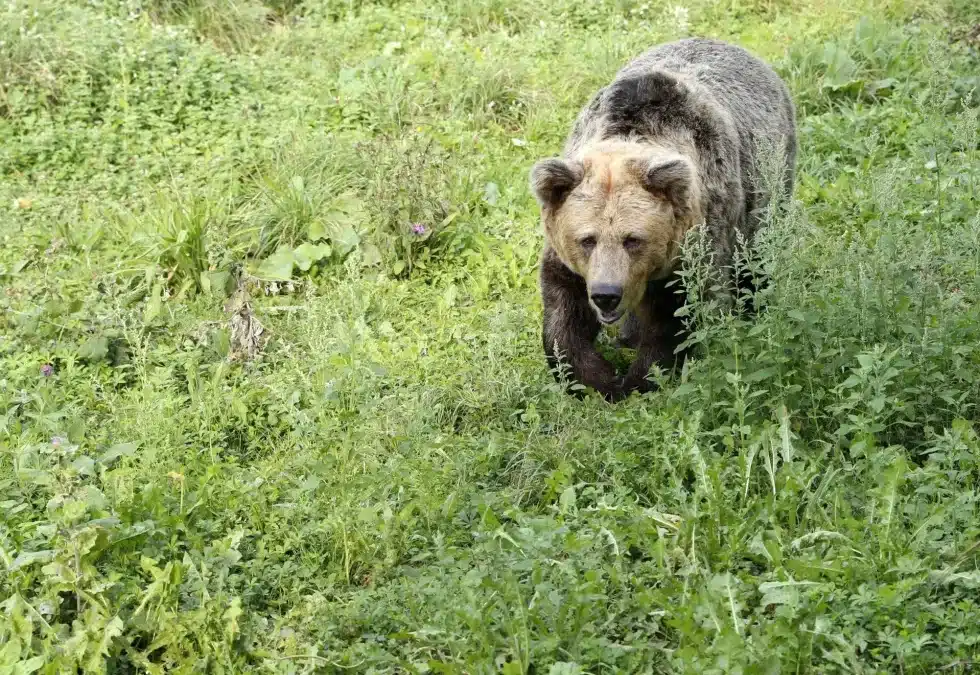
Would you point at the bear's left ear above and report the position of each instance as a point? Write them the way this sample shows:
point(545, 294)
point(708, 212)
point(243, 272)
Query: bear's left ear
point(553, 179)
point(672, 179)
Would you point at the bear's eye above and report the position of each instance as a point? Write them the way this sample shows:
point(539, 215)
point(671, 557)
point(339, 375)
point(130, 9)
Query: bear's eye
point(588, 243)
point(632, 243)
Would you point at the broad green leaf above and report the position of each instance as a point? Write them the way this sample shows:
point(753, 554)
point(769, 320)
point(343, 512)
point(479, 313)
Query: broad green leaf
point(302, 257)
point(317, 231)
point(567, 499)
point(154, 304)
point(761, 374)
point(31, 558)
point(277, 267)
point(683, 390)
point(322, 251)
point(449, 295)
point(95, 348)
point(112, 630)
point(231, 616)
point(215, 283)
point(9, 655)
point(307, 254)
point(346, 209)
point(84, 465)
point(841, 68)
point(370, 255)
point(783, 592)
point(346, 240)
point(29, 666)
point(92, 496)
point(883, 87)
point(797, 314)
point(473, 578)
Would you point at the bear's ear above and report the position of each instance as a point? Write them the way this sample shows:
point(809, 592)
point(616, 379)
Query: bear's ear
point(670, 178)
point(553, 179)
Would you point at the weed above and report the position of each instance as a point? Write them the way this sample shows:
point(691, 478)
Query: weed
point(408, 185)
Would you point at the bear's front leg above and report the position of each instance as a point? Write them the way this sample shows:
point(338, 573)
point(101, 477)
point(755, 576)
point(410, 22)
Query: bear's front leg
point(570, 329)
point(657, 335)
point(650, 351)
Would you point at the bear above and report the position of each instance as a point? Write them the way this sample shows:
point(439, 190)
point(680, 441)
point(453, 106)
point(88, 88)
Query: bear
point(673, 143)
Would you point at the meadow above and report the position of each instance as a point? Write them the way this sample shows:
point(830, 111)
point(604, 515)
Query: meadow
point(272, 393)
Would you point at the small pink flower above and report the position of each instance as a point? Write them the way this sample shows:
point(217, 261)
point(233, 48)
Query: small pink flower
point(57, 441)
point(47, 370)
point(418, 229)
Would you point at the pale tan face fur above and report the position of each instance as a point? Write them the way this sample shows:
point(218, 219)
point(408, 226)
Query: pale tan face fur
point(613, 230)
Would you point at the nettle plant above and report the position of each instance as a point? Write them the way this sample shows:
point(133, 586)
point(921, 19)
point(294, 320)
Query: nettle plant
point(54, 582)
point(865, 337)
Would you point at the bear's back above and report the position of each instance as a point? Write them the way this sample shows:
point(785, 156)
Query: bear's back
point(751, 93)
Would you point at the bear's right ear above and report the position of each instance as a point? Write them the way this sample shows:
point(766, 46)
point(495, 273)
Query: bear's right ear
point(553, 179)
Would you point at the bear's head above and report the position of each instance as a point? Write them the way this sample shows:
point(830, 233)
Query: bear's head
point(616, 218)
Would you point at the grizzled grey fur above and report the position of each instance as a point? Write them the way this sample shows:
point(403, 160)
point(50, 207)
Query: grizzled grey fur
point(696, 93)
point(725, 98)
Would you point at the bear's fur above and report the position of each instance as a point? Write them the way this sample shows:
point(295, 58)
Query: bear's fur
point(671, 144)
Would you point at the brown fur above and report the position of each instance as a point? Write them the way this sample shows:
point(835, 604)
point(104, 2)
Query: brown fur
point(637, 221)
point(571, 327)
point(636, 227)
point(668, 146)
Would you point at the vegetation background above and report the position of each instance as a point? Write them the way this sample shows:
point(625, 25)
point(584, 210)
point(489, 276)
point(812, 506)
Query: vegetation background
point(272, 397)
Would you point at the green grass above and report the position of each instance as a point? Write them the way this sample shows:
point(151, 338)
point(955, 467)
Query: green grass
point(393, 482)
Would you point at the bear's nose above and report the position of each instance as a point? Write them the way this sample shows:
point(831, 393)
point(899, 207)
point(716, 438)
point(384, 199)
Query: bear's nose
point(606, 296)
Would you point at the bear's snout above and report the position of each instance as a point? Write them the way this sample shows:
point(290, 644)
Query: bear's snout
point(606, 297)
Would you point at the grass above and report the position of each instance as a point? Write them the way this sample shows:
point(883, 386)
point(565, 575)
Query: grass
point(253, 419)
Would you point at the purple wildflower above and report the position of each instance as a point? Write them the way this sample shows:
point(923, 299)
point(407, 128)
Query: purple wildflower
point(47, 370)
point(57, 441)
point(418, 229)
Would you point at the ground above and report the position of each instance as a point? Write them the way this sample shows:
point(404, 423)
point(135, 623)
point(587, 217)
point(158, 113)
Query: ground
point(272, 396)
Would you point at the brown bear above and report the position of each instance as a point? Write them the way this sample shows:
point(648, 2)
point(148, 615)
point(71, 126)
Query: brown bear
point(672, 144)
